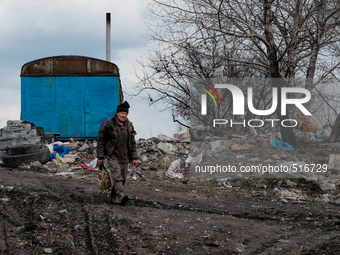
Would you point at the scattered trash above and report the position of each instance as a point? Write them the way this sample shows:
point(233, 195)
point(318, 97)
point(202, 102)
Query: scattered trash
point(61, 150)
point(85, 166)
point(196, 160)
point(65, 173)
point(93, 163)
point(282, 145)
point(187, 162)
point(62, 211)
point(55, 155)
point(173, 168)
point(20, 228)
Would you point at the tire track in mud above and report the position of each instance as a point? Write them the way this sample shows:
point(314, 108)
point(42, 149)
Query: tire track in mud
point(94, 233)
point(179, 207)
point(98, 200)
point(7, 216)
point(90, 235)
point(4, 247)
point(36, 219)
point(82, 214)
point(7, 223)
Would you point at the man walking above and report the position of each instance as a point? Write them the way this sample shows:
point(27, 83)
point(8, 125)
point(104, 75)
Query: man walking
point(116, 140)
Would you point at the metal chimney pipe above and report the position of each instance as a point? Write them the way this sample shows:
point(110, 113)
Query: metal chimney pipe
point(108, 37)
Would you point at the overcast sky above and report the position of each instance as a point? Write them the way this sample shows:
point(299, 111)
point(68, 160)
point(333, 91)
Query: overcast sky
point(35, 29)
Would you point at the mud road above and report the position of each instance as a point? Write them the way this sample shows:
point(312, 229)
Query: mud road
point(41, 213)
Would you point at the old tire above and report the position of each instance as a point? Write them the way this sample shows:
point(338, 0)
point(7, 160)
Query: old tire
point(13, 161)
point(24, 149)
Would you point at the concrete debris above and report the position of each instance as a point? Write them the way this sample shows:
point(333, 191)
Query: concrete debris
point(84, 147)
point(70, 158)
point(167, 148)
point(35, 164)
point(157, 154)
point(183, 136)
point(166, 161)
point(18, 133)
point(165, 138)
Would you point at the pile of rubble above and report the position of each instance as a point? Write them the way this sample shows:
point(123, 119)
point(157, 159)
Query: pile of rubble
point(78, 157)
point(162, 152)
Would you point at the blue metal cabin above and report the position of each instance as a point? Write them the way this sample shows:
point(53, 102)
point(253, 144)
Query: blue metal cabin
point(70, 95)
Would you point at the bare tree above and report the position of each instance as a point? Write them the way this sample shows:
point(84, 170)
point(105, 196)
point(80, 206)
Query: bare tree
point(276, 39)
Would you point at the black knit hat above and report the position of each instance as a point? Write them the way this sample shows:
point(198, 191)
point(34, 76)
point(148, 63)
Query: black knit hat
point(124, 107)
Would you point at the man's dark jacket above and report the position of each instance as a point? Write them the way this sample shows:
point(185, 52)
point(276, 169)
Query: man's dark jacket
point(107, 138)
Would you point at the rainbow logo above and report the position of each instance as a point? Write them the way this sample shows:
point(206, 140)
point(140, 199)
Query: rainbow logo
point(208, 92)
